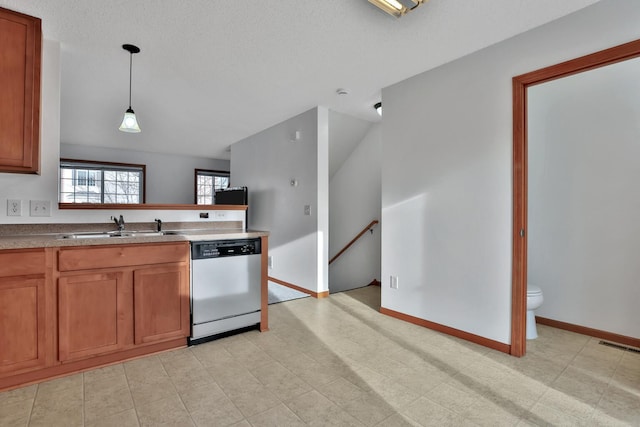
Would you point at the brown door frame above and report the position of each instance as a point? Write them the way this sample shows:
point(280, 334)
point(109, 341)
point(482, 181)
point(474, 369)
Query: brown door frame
point(520, 84)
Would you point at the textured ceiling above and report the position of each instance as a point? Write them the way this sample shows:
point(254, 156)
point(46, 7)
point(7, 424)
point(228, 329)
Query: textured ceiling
point(213, 72)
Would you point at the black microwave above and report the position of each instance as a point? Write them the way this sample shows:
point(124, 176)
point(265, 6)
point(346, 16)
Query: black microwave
point(232, 196)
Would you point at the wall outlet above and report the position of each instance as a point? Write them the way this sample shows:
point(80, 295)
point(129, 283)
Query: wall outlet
point(393, 282)
point(270, 261)
point(40, 208)
point(14, 207)
point(221, 214)
point(307, 209)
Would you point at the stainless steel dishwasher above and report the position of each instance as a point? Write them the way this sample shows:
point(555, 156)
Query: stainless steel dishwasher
point(225, 287)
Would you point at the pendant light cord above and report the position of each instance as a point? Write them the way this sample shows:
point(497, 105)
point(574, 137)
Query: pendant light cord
point(130, 68)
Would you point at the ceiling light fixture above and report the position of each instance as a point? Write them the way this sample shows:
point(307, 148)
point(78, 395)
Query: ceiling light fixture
point(129, 122)
point(397, 8)
point(378, 107)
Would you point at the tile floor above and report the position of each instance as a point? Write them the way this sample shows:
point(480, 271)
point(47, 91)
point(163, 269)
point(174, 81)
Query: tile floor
point(338, 362)
point(279, 293)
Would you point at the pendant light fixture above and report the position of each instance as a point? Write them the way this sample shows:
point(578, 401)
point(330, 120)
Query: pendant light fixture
point(378, 108)
point(129, 122)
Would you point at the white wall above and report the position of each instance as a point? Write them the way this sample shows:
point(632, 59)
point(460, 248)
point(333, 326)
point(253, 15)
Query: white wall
point(266, 163)
point(446, 174)
point(170, 177)
point(354, 201)
point(584, 204)
point(345, 133)
point(45, 186)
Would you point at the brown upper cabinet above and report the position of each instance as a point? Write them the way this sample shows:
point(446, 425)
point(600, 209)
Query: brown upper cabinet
point(20, 60)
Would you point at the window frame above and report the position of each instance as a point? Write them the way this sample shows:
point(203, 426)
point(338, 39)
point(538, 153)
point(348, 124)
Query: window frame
point(208, 172)
point(102, 166)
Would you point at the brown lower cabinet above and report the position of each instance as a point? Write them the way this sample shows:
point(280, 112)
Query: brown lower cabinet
point(161, 303)
point(93, 314)
point(22, 324)
point(24, 317)
point(88, 306)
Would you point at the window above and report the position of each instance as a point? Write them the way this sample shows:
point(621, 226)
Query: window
point(85, 178)
point(207, 182)
point(83, 181)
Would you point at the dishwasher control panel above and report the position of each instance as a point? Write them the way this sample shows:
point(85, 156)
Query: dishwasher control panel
point(225, 248)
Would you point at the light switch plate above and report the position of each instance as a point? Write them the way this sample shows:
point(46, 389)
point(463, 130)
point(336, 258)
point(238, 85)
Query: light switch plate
point(40, 208)
point(14, 207)
point(307, 209)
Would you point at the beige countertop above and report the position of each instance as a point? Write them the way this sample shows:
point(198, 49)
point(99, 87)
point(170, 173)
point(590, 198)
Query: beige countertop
point(22, 241)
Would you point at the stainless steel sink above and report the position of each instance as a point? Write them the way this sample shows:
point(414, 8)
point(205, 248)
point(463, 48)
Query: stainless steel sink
point(137, 233)
point(107, 234)
point(88, 235)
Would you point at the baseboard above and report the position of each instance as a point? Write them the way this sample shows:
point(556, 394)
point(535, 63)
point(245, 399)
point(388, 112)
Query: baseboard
point(94, 362)
point(486, 342)
point(323, 294)
point(597, 333)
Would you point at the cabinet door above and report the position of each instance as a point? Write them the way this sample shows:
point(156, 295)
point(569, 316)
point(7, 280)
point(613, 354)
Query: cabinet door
point(91, 310)
point(20, 44)
point(161, 303)
point(22, 323)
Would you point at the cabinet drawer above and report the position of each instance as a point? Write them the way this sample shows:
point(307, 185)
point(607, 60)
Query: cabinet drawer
point(85, 258)
point(22, 263)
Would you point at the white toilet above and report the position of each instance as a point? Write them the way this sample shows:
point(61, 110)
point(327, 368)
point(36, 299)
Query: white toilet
point(534, 300)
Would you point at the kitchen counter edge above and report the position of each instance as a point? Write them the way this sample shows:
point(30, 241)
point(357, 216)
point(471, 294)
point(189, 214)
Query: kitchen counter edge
point(28, 241)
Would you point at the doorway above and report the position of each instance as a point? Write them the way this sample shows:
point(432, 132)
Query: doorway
point(520, 171)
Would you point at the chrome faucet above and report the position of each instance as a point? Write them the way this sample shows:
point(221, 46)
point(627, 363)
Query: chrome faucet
point(119, 222)
point(158, 225)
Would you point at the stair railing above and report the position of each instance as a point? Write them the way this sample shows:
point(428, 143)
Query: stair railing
point(369, 227)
